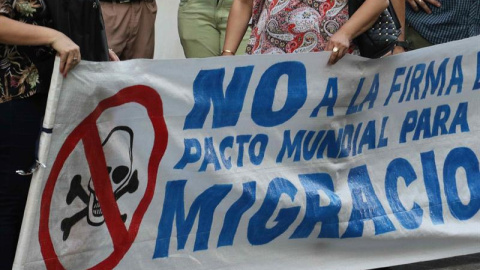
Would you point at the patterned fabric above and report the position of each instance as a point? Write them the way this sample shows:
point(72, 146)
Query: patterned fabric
point(295, 26)
point(454, 20)
point(24, 70)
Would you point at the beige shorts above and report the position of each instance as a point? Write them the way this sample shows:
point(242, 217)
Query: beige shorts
point(130, 28)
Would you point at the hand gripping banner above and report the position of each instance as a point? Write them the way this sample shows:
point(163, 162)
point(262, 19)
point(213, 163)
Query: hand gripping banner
point(259, 162)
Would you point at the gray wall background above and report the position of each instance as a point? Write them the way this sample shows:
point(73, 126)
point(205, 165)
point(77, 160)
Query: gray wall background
point(167, 42)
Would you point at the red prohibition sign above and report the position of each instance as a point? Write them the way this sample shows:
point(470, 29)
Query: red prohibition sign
point(87, 132)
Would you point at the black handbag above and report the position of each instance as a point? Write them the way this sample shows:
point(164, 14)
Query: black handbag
point(382, 36)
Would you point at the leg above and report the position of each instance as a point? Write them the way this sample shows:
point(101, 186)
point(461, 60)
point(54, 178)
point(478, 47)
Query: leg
point(142, 28)
point(116, 18)
point(19, 129)
point(197, 29)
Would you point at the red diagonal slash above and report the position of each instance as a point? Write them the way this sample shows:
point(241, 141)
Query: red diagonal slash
point(87, 132)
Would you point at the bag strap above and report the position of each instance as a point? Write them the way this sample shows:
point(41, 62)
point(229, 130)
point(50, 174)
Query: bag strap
point(392, 12)
point(256, 17)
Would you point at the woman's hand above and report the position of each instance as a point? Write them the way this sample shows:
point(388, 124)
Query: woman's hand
point(338, 44)
point(112, 56)
point(361, 21)
point(398, 49)
point(415, 4)
point(68, 51)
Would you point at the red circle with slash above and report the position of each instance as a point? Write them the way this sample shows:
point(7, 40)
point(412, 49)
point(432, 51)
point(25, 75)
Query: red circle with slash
point(87, 132)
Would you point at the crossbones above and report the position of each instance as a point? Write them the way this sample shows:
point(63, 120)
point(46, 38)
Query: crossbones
point(123, 176)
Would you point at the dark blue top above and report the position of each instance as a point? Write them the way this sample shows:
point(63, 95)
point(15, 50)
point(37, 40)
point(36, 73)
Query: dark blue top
point(454, 20)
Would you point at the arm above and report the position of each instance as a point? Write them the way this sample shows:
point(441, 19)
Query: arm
point(360, 22)
point(237, 24)
point(399, 7)
point(17, 33)
point(416, 3)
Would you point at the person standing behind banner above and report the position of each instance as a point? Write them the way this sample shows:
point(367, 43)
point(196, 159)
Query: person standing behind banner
point(82, 21)
point(202, 25)
point(130, 27)
point(27, 50)
point(432, 22)
point(294, 26)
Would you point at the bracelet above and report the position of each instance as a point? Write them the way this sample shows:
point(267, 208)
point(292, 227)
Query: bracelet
point(228, 51)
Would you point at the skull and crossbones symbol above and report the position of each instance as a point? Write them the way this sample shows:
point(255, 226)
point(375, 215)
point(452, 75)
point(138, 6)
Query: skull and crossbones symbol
point(124, 178)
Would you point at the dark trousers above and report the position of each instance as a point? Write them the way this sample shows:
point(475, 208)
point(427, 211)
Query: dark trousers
point(20, 123)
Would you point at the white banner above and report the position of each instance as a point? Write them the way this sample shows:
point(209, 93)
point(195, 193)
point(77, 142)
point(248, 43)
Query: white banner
point(265, 162)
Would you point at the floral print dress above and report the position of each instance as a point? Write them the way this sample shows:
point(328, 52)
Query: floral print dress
point(24, 70)
point(295, 26)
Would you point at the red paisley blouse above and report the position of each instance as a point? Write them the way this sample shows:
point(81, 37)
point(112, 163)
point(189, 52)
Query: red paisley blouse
point(295, 26)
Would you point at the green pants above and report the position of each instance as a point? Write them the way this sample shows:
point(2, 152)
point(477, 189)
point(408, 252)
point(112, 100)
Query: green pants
point(202, 25)
point(415, 39)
